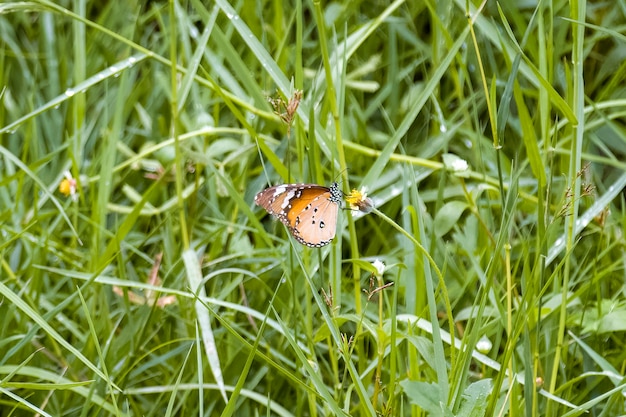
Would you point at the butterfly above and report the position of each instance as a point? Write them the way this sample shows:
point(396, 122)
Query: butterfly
point(308, 210)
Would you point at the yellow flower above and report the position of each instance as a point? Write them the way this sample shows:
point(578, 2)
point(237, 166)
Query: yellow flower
point(67, 187)
point(358, 200)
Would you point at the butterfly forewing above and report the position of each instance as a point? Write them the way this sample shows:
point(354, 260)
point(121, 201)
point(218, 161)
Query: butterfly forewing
point(308, 210)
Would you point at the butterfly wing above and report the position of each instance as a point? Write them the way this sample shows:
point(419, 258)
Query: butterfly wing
point(277, 199)
point(309, 211)
point(313, 217)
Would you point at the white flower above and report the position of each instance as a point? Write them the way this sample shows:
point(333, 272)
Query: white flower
point(457, 165)
point(379, 266)
point(460, 165)
point(484, 345)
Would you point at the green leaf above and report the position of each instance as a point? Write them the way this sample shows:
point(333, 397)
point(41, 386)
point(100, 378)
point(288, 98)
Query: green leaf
point(475, 399)
point(424, 395)
point(448, 216)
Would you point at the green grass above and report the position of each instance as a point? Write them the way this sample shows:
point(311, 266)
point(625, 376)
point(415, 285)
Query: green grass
point(158, 288)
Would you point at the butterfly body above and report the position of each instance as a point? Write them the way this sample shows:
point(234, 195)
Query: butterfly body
point(308, 210)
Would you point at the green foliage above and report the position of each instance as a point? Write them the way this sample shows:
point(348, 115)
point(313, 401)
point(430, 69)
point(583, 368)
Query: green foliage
point(138, 277)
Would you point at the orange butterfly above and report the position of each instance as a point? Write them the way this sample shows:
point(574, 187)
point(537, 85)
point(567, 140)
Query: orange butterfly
point(308, 210)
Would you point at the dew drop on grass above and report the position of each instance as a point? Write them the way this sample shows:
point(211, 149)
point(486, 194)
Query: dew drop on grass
point(70, 92)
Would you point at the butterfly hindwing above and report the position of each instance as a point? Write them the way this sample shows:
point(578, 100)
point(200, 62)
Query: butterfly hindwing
point(313, 217)
point(309, 211)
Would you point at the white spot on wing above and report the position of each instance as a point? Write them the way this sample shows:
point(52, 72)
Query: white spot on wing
point(279, 190)
point(287, 200)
